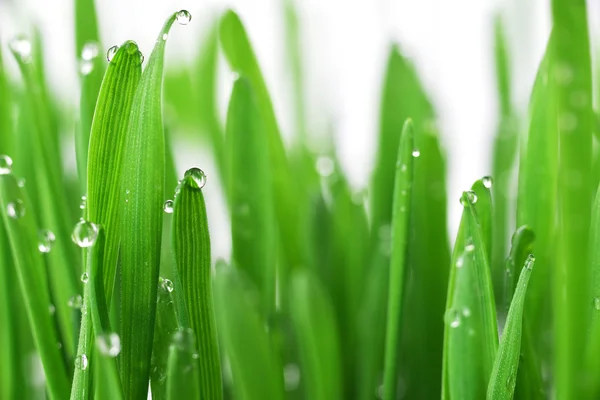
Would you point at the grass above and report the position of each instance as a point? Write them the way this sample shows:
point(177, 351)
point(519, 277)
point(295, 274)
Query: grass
point(327, 294)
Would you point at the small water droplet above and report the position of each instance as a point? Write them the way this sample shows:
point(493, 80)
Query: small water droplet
point(184, 17)
point(111, 53)
point(530, 261)
point(168, 206)
point(469, 246)
point(466, 312)
point(403, 168)
point(109, 344)
point(167, 285)
point(15, 209)
point(452, 318)
point(416, 153)
point(85, 233)
point(460, 261)
point(165, 36)
point(21, 46)
point(51, 309)
point(197, 177)
point(325, 166)
point(83, 202)
point(46, 240)
point(81, 362)
point(76, 302)
point(90, 51)
point(86, 67)
point(141, 57)
point(488, 181)
point(597, 303)
point(291, 376)
point(5, 165)
point(85, 277)
point(510, 382)
point(472, 197)
point(21, 183)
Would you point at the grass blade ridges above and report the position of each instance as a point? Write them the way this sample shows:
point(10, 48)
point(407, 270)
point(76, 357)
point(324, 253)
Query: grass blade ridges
point(191, 245)
point(19, 220)
point(400, 233)
point(504, 374)
point(144, 186)
point(571, 72)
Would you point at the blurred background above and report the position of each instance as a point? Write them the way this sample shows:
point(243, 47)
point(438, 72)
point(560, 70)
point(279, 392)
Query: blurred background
point(344, 45)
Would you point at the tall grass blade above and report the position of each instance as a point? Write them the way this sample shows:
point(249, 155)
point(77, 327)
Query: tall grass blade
point(182, 370)
point(521, 246)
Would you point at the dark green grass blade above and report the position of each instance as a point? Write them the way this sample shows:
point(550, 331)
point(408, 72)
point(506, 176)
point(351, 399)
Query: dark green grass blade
point(144, 185)
point(33, 281)
point(314, 321)
point(255, 366)
point(191, 245)
point(250, 193)
point(571, 72)
point(400, 234)
point(8, 358)
point(504, 374)
point(182, 371)
point(240, 56)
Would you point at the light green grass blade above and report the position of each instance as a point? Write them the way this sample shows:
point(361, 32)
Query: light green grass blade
point(6, 116)
point(317, 337)
point(255, 365)
point(241, 58)
point(571, 72)
point(86, 24)
point(144, 185)
point(484, 210)
point(182, 373)
point(400, 234)
point(504, 374)
point(191, 245)
point(250, 193)
point(521, 246)
point(19, 220)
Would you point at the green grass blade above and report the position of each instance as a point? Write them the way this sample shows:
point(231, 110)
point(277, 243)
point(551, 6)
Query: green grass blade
point(317, 335)
point(86, 24)
point(484, 210)
point(255, 365)
point(571, 72)
point(400, 233)
point(182, 373)
point(521, 246)
point(144, 185)
point(504, 374)
point(191, 245)
point(250, 193)
point(19, 220)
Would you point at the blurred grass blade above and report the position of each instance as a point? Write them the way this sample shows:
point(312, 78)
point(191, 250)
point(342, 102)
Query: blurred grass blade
point(86, 24)
point(144, 185)
point(255, 366)
point(592, 385)
point(183, 381)
point(521, 246)
point(504, 374)
point(317, 335)
point(399, 238)
point(191, 245)
point(252, 219)
point(19, 220)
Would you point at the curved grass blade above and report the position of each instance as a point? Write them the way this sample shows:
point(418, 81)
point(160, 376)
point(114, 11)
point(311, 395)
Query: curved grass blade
point(314, 321)
point(19, 220)
point(400, 234)
point(255, 365)
point(504, 374)
point(521, 246)
point(250, 194)
point(191, 244)
point(144, 185)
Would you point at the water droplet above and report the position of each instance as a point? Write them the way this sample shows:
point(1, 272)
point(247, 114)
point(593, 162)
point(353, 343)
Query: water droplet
point(167, 285)
point(90, 51)
point(469, 246)
point(109, 344)
point(530, 261)
point(21, 46)
point(197, 177)
point(81, 362)
point(597, 303)
point(83, 202)
point(184, 17)
point(5, 165)
point(21, 183)
point(165, 36)
point(510, 382)
point(15, 209)
point(76, 301)
point(291, 376)
point(466, 312)
point(168, 207)
point(111, 53)
point(452, 318)
point(141, 57)
point(185, 339)
point(325, 166)
point(460, 261)
point(85, 277)
point(85, 233)
point(471, 196)
point(51, 309)
point(488, 181)
point(403, 168)
point(416, 153)
point(86, 67)
point(567, 122)
point(46, 240)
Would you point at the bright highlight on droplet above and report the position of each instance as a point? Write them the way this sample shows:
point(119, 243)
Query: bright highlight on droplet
point(46, 240)
point(167, 285)
point(168, 207)
point(83, 203)
point(141, 57)
point(85, 233)
point(452, 318)
point(5, 164)
point(76, 301)
point(90, 51)
point(530, 261)
point(111, 53)
point(325, 166)
point(597, 303)
point(416, 153)
point(488, 181)
point(109, 344)
point(86, 67)
point(21, 46)
point(197, 177)
point(85, 277)
point(15, 209)
point(184, 17)
point(81, 362)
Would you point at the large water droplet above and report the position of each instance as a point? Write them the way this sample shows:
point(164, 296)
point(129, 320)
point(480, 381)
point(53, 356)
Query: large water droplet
point(85, 233)
point(167, 285)
point(111, 53)
point(85, 277)
point(471, 196)
point(15, 209)
point(452, 318)
point(325, 166)
point(291, 376)
point(21, 46)
point(197, 177)
point(81, 362)
point(109, 344)
point(416, 153)
point(5, 165)
point(168, 207)
point(530, 261)
point(184, 17)
point(46, 240)
point(488, 181)
point(76, 301)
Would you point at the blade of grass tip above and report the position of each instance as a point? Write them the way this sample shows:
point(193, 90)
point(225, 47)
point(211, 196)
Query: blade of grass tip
point(19, 220)
point(250, 194)
point(400, 233)
point(86, 25)
point(571, 72)
point(471, 337)
point(484, 209)
point(255, 366)
point(183, 381)
point(144, 185)
point(504, 374)
point(314, 321)
point(521, 246)
point(104, 182)
point(241, 57)
point(191, 245)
